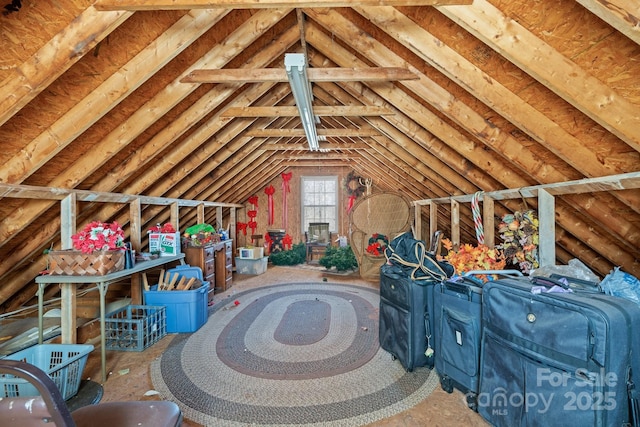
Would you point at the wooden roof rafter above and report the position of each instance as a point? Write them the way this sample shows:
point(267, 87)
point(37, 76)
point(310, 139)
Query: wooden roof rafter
point(620, 14)
point(299, 132)
point(258, 4)
point(228, 75)
point(545, 173)
point(320, 111)
point(468, 76)
point(565, 78)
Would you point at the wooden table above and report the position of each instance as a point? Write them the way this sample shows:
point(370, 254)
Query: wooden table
point(68, 286)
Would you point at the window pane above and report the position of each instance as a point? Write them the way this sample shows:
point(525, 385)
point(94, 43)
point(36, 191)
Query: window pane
point(319, 201)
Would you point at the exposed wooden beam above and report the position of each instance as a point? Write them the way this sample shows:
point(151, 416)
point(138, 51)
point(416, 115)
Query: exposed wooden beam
point(259, 4)
point(381, 56)
point(624, 181)
point(298, 132)
point(105, 97)
point(536, 124)
point(313, 74)
point(313, 163)
point(53, 193)
point(544, 63)
point(54, 58)
point(323, 110)
point(623, 15)
point(305, 147)
point(316, 156)
point(303, 41)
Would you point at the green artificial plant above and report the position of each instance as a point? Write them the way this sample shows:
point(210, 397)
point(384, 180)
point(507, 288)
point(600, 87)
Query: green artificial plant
point(294, 256)
point(342, 258)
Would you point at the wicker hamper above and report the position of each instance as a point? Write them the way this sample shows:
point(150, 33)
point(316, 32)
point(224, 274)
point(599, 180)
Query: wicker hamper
point(77, 263)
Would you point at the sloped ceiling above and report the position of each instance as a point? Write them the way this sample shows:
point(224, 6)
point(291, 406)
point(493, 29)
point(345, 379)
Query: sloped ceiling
point(508, 94)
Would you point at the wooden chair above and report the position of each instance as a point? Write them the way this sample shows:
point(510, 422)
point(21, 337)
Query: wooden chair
point(51, 406)
point(317, 239)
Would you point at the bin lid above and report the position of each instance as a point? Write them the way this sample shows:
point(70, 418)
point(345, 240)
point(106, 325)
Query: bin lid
point(187, 271)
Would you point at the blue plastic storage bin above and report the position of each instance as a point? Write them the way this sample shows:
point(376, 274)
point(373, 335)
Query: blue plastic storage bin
point(64, 363)
point(186, 310)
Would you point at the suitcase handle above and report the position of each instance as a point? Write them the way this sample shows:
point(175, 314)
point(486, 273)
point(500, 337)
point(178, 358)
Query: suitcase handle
point(549, 282)
point(460, 288)
point(507, 273)
point(578, 285)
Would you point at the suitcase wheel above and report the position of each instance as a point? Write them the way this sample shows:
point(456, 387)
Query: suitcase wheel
point(472, 401)
point(446, 384)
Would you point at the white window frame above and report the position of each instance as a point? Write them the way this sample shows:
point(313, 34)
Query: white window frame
point(332, 209)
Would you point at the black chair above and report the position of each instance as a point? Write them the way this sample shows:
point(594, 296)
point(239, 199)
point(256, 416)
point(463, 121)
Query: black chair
point(50, 406)
point(318, 238)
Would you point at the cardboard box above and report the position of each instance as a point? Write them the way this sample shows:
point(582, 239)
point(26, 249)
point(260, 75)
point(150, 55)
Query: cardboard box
point(167, 244)
point(251, 266)
point(250, 253)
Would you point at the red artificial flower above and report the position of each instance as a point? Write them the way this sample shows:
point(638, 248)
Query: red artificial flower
point(287, 241)
point(99, 236)
point(166, 228)
point(374, 249)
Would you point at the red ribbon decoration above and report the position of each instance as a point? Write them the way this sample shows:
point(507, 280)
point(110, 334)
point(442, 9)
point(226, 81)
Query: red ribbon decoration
point(287, 241)
point(286, 177)
point(269, 191)
point(254, 201)
point(252, 223)
point(352, 200)
point(267, 243)
point(242, 226)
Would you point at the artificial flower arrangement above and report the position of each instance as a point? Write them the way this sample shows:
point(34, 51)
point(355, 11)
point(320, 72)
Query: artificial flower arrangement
point(469, 258)
point(99, 236)
point(519, 233)
point(377, 244)
point(166, 228)
point(200, 235)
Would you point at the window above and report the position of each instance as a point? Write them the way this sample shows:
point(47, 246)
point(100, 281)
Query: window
point(319, 201)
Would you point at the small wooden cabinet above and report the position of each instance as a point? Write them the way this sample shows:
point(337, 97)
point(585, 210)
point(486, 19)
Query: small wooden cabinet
point(216, 262)
point(203, 257)
point(228, 267)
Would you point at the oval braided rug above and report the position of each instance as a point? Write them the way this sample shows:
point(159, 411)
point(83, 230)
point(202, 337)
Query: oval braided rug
point(304, 354)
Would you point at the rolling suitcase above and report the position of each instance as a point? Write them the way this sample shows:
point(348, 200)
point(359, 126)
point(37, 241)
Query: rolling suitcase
point(458, 320)
point(557, 358)
point(405, 327)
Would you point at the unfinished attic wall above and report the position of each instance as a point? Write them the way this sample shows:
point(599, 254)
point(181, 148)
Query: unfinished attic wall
point(474, 121)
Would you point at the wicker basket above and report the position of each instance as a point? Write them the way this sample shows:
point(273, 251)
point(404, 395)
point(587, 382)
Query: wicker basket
point(77, 263)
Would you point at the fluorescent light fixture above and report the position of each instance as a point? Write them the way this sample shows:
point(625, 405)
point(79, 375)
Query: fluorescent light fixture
point(296, 66)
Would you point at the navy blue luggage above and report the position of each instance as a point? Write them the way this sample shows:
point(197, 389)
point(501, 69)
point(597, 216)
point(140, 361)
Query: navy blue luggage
point(458, 321)
point(406, 324)
point(557, 358)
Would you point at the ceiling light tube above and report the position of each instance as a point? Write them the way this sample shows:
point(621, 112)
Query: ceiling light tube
point(295, 65)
